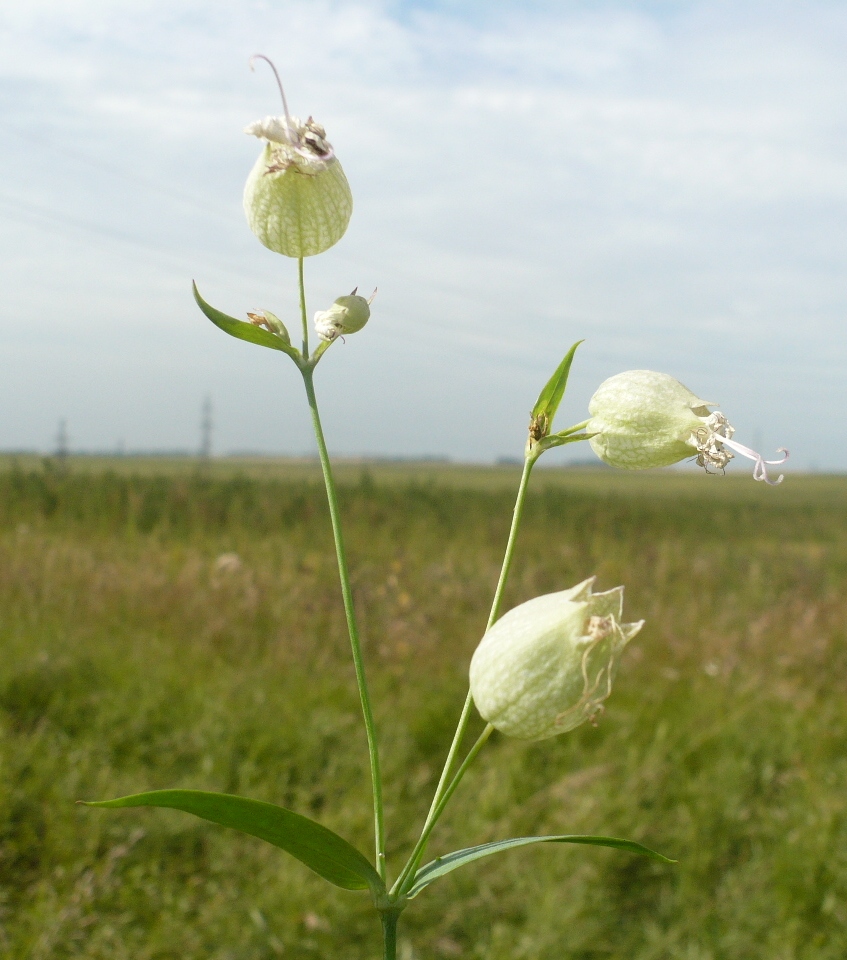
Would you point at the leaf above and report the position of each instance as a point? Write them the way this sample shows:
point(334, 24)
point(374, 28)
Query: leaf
point(551, 396)
point(443, 865)
point(329, 855)
point(243, 330)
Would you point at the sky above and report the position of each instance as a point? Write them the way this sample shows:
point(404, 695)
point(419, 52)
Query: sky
point(667, 181)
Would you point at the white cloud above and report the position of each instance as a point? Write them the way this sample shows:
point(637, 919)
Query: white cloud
point(671, 187)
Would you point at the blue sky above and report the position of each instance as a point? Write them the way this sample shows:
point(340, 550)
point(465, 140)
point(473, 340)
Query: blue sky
point(667, 181)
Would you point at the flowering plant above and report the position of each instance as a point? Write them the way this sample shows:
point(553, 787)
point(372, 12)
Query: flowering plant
point(541, 669)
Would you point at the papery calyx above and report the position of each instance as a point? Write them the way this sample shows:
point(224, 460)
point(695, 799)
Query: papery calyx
point(547, 665)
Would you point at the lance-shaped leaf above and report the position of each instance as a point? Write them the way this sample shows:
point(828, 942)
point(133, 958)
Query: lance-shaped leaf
point(243, 330)
point(329, 855)
point(551, 396)
point(443, 865)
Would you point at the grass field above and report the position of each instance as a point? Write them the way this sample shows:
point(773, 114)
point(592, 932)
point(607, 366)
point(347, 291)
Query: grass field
point(133, 657)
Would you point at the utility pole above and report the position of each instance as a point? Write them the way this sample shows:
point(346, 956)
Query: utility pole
point(206, 430)
point(62, 442)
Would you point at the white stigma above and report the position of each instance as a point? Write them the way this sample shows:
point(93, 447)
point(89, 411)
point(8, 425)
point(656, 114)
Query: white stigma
point(714, 441)
point(293, 142)
point(288, 123)
point(760, 471)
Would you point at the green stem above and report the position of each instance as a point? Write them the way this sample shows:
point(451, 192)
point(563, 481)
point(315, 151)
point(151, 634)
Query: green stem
point(451, 756)
point(574, 429)
point(303, 319)
point(517, 514)
point(436, 807)
point(347, 596)
point(389, 934)
point(404, 881)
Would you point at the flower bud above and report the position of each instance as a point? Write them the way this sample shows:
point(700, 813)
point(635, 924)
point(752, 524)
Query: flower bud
point(297, 199)
point(347, 315)
point(271, 323)
point(547, 665)
point(641, 419)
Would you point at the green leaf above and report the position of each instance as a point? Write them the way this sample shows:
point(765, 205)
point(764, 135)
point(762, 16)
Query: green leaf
point(329, 855)
point(443, 865)
point(551, 396)
point(243, 330)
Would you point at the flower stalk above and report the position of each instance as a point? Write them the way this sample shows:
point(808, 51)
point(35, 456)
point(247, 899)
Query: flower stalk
point(307, 370)
point(447, 787)
point(304, 321)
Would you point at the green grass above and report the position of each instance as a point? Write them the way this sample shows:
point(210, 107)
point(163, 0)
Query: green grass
point(132, 658)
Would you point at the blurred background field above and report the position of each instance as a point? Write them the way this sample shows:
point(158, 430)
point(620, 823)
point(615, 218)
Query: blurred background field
point(168, 625)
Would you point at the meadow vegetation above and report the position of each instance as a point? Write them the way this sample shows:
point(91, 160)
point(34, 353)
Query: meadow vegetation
point(183, 628)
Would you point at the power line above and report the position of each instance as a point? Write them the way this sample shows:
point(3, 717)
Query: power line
point(32, 214)
point(121, 173)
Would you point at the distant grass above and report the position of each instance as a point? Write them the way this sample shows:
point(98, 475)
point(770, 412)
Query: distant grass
point(132, 658)
point(504, 477)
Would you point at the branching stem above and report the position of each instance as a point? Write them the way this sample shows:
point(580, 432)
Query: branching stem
point(406, 878)
point(307, 371)
point(446, 787)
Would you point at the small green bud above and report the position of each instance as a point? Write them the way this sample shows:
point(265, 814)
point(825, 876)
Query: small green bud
point(347, 315)
point(547, 665)
point(271, 322)
point(297, 199)
point(641, 419)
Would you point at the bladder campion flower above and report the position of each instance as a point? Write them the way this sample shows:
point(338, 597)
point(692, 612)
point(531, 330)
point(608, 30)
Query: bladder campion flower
point(297, 199)
point(642, 419)
point(347, 315)
point(548, 664)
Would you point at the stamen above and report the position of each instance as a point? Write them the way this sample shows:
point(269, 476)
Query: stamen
point(714, 441)
point(289, 124)
point(600, 627)
point(709, 439)
point(760, 471)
